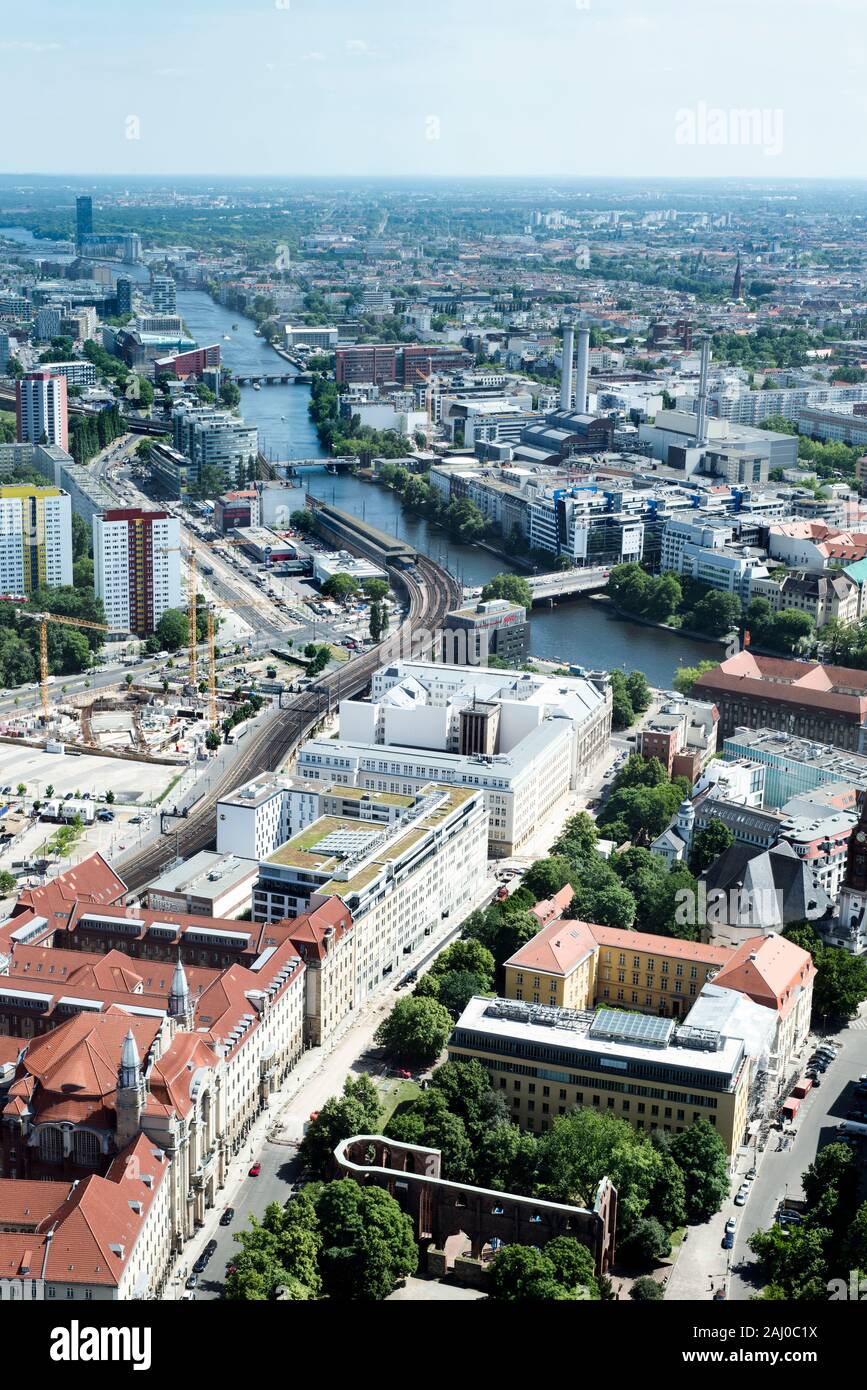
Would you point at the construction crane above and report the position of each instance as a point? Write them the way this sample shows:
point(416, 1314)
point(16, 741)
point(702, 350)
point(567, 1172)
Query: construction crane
point(44, 619)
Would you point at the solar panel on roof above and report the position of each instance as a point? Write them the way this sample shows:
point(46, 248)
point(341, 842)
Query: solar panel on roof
point(614, 1025)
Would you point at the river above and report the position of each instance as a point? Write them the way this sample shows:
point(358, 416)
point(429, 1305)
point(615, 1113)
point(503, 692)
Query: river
point(583, 631)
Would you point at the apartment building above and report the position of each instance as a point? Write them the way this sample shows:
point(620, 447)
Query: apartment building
point(35, 538)
point(41, 408)
point(821, 596)
point(137, 567)
point(211, 438)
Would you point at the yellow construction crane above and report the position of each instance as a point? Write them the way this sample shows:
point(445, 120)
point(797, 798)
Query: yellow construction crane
point(44, 619)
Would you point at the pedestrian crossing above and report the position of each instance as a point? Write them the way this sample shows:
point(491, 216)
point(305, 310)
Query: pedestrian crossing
point(858, 1025)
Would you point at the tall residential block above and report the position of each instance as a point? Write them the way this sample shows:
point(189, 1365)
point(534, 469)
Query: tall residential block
point(40, 409)
point(35, 538)
point(136, 567)
point(83, 218)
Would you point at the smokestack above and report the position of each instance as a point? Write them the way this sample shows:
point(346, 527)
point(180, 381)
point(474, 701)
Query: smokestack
point(701, 425)
point(566, 368)
point(582, 369)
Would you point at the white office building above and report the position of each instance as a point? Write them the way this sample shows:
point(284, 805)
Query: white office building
point(400, 877)
point(525, 740)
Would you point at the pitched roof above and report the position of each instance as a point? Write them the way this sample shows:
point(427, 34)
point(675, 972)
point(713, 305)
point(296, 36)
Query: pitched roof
point(91, 881)
point(557, 948)
point(80, 1058)
point(554, 907)
point(770, 969)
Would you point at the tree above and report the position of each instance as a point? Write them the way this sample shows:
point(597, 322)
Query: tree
point(355, 1111)
point(794, 1260)
point(173, 629)
point(375, 589)
point(8, 883)
point(81, 537)
point(212, 738)
point(367, 1242)
point(638, 691)
point(547, 876)
point(715, 614)
point(378, 624)
point(429, 1122)
point(576, 840)
point(467, 1092)
point(303, 520)
point(685, 677)
point(522, 1273)
point(279, 1252)
point(582, 1148)
point(416, 1030)
point(647, 1243)
point(841, 977)
point(511, 587)
point(339, 587)
point(792, 629)
point(456, 988)
point(646, 1290)
point(109, 798)
point(708, 844)
point(700, 1155)
point(506, 1160)
point(466, 954)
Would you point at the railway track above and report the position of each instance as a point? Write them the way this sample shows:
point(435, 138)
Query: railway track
point(283, 730)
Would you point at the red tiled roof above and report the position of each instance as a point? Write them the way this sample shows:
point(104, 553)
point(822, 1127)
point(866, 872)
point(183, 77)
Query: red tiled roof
point(80, 1058)
point(26, 1203)
point(770, 970)
point(554, 907)
point(92, 881)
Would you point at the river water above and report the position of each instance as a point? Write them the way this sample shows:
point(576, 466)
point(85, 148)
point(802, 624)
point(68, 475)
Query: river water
point(583, 631)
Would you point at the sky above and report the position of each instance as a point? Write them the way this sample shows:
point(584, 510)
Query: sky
point(570, 88)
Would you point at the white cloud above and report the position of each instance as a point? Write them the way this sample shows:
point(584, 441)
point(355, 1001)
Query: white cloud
point(358, 46)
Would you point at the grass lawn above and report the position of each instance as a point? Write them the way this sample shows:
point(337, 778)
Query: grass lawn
point(394, 1092)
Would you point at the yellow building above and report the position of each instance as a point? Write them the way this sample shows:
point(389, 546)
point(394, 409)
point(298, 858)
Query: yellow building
point(35, 538)
point(574, 965)
point(649, 1071)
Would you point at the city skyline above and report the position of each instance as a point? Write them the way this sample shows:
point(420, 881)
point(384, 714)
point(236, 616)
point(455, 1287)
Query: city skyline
point(599, 87)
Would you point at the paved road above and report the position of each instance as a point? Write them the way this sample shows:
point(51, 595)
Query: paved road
point(702, 1264)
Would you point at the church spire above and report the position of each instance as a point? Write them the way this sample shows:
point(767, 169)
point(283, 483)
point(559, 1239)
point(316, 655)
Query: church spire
point(179, 994)
point(738, 283)
point(128, 1072)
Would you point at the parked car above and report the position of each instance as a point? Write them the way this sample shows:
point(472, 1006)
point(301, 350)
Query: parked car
point(192, 1282)
point(201, 1264)
point(752, 1174)
point(226, 1218)
point(255, 1170)
point(210, 1248)
point(742, 1194)
point(402, 1071)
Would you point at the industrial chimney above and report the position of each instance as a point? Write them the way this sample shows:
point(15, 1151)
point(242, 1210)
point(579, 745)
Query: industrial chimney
point(566, 368)
point(581, 370)
point(701, 424)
